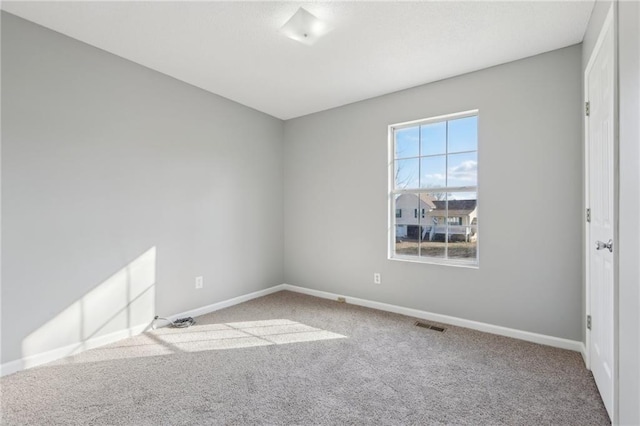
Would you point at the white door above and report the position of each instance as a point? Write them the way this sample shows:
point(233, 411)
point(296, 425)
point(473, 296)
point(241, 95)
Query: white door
point(600, 193)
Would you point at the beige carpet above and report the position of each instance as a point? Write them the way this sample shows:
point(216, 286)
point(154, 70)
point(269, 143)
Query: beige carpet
point(294, 359)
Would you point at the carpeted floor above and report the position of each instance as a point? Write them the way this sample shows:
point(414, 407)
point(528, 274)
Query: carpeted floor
point(294, 359)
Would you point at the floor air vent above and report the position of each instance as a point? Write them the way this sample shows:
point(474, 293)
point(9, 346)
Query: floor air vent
point(429, 326)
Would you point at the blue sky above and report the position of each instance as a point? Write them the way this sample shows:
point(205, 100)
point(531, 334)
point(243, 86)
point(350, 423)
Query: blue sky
point(430, 141)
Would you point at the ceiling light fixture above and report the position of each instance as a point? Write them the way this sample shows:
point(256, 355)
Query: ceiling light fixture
point(305, 27)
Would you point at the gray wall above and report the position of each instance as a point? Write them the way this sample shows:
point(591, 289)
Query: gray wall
point(103, 160)
point(629, 227)
point(530, 177)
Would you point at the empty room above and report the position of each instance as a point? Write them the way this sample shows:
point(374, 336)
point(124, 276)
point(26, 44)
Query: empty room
point(332, 212)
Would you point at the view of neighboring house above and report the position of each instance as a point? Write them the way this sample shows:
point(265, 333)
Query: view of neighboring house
point(423, 216)
point(410, 213)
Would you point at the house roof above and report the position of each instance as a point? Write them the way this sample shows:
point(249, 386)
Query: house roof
point(457, 206)
point(427, 200)
point(424, 198)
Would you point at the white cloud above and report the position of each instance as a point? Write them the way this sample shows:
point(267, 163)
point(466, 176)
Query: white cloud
point(435, 176)
point(467, 171)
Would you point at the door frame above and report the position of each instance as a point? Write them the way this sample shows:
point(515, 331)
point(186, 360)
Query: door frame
point(609, 22)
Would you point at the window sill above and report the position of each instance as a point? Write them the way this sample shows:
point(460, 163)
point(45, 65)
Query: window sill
point(441, 262)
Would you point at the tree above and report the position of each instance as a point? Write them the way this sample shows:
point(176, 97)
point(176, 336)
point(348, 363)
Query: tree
point(439, 196)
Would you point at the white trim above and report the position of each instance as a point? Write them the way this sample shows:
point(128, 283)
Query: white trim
point(391, 202)
point(227, 303)
point(453, 189)
point(58, 353)
point(603, 31)
point(452, 116)
point(460, 263)
point(542, 339)
point(583, 352)
point(38, 359)
point(10, 367)
point(73, 349)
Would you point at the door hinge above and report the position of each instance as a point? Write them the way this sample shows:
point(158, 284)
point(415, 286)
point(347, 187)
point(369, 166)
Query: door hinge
point(588, 215)
point(587, 108)
point(588, 322)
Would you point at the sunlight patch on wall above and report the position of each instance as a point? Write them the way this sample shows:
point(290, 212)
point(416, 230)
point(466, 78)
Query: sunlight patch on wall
point(123, 301)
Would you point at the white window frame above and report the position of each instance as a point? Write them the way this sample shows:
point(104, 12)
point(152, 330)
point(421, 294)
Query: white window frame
point(392, 192)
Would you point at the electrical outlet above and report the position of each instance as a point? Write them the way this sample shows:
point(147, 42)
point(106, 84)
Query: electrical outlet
point(199, 282)
point(376, 278)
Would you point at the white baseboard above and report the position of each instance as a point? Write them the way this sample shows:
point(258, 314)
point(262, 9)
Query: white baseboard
point(55, 354)
point(76, 348)
point(227, 303)
point(11, 367)
point(583, 352)
point(445, 319)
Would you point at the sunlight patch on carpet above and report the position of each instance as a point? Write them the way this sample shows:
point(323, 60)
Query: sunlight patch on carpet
point(247, 334)
point(206, 337)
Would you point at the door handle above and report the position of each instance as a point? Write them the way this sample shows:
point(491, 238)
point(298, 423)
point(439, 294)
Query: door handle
point(601, 245)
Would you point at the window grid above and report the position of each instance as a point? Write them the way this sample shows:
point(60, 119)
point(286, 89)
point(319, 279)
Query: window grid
point(435, 155)
point(419, 190)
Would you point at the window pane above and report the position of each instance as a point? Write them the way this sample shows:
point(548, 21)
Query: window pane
point(406, 226)
point(463, 169)
point(407, 142)
point(463, 250)
point(433, 171)
point(463, 134)
point(463, 196)
point(464, 246)
point(406, 173)
point(462, 208)
point(433, 138)
point(462, 220)
point(432, 227)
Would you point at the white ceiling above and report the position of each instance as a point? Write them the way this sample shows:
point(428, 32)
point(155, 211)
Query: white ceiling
point(234, 49)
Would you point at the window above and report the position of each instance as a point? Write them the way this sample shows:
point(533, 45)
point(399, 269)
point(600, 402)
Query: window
point(398, 213)
point(433, 170)
point(454, 220)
